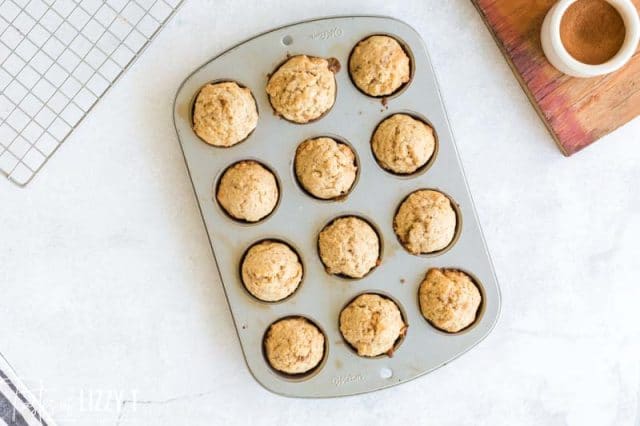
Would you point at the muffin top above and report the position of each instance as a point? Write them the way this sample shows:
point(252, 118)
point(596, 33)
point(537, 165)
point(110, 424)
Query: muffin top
point(224, 114)
point(449, 299)
point(325, 168)
point(425, 222)
point(349, 246)
point(294, 346)
point(402, 144)
point(248, 191)
point(271, 271)
point(379, 66)
point(372, 324)
point(303, 88)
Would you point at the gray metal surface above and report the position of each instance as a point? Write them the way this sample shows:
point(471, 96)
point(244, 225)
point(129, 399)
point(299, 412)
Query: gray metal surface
point(299, 218)
point(57, 59)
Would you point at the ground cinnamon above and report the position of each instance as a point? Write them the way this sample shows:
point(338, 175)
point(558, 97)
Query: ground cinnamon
point(592, 31)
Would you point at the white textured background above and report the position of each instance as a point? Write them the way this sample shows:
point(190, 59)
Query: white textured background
point(108, 289)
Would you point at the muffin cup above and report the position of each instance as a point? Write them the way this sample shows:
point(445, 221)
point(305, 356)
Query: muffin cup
point(307, 374)
point(276, 240)
point(456, 235)
point(380, 245)
point(342, 197)
point(193, 107)
point(398, 341)
point(479, 312)
point(422, 169)
point(407, 50)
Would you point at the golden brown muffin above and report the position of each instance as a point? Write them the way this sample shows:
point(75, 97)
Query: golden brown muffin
point(349, 246)
point(224, 114)
point(294, 346)
point(425, 222)
point(248, 191)
point(271, 271)
point(325, 168)
point(449, 299)
point(303, 88)
point(379, 66)
point(402, 144)
point(372, 324)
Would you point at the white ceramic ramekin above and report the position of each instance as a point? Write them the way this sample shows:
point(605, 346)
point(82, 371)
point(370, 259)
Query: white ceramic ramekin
point(562, 60)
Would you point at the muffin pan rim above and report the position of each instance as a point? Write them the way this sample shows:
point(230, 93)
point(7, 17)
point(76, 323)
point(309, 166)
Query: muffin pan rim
point(322, 385)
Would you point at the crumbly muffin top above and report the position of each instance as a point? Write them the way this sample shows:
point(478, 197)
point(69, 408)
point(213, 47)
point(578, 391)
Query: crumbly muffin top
point(449, 299)
point(425, 222)
point(248, 191)
point(372, 324)
point(379, 66)
point(402, 144)
point(294, 346)
point(349, 246)
point(224, 114)
point(303, 88)
point(325, 168)
point(271, 271)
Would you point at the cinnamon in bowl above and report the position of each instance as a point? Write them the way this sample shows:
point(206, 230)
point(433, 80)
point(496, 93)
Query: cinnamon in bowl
point(592, 31)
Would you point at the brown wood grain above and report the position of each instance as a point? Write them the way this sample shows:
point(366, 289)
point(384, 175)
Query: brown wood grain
point(576, 111)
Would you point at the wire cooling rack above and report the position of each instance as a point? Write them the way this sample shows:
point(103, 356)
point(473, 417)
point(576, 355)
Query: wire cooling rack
point(57, 59)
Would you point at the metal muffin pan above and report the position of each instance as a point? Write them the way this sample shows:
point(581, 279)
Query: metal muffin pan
point(298, 217)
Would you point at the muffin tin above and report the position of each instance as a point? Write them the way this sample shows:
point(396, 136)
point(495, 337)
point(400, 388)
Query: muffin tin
point(298, 217)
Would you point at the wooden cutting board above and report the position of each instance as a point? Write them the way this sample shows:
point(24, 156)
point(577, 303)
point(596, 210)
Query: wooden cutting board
point(576, 111)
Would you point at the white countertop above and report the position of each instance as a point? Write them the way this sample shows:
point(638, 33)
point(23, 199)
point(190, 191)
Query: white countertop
point(110, 292)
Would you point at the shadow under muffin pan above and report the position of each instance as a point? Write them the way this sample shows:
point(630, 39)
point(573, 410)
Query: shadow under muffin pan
point(298, 217)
